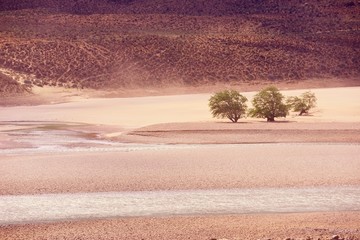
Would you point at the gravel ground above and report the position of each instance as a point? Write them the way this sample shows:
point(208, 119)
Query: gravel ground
point(265, 226)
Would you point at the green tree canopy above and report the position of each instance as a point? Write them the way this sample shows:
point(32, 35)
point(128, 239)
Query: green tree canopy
point(302, 104)
point(228, 104)
point(268, 103)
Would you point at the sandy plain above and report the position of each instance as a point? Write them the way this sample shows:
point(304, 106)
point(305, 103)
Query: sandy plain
point(332, 129)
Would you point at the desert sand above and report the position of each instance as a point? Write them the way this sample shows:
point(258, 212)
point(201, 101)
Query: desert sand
point(239, 227)
point(334, 104)
point(320, 150)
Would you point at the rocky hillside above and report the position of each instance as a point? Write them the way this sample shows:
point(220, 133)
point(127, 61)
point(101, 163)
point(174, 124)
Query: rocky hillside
point(161, 43)
point(9, 86)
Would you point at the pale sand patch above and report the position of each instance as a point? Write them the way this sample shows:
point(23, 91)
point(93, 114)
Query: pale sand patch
point(334, 104)
point(264, 226)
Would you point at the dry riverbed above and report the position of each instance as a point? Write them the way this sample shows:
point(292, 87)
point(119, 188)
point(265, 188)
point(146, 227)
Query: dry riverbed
point(317, 150)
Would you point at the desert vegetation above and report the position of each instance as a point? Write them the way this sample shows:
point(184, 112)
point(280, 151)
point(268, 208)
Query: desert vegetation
point(228, 104)
point(269, 103)
point(167, 43)
point(302, 104)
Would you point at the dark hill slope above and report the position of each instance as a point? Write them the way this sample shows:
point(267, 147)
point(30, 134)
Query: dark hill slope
point(9, 86)
point(107, 44)
point(184, 7)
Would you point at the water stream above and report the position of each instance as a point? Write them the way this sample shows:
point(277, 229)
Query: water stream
point(55, 207)
point(31, 141)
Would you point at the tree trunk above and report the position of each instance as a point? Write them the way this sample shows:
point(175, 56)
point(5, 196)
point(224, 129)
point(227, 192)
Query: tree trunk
point(234, 119)
point(271, 119)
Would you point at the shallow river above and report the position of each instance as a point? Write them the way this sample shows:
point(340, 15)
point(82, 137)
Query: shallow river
point(33, 138)
point(53, 207)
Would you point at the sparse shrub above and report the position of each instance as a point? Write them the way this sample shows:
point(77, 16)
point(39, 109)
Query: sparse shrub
point(268, 103)
point(302, 104)
point(228, 104)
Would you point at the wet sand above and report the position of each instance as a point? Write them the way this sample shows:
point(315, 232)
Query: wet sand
point(199, 167)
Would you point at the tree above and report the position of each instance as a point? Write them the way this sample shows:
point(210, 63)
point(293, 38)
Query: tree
point(228, 104)
point(302, 104)
point(268, 103)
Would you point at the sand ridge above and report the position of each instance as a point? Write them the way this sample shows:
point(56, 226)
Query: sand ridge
point(243, 132)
